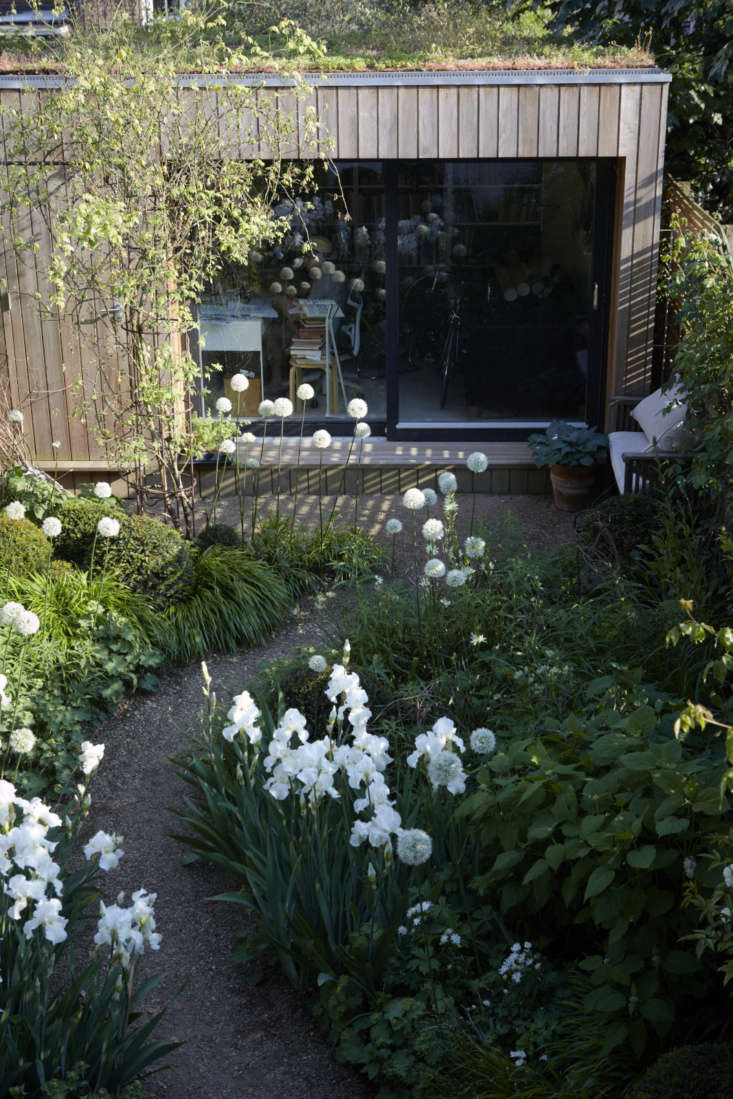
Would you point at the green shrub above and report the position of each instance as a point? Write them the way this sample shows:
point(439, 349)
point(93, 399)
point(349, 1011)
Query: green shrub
point(234, 600)
point(79, 518)
point(689, 1072)
point(218, 534)
point(151, 558)
point(24, 549)
point(610, 533)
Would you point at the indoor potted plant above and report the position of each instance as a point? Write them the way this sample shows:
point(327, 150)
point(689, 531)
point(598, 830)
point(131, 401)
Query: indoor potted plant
point(571, 452)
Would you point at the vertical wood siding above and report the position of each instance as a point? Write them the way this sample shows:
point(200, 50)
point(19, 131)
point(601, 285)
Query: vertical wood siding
point(42, 354)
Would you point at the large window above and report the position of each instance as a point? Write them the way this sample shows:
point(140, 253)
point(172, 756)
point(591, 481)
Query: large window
point(491, 276)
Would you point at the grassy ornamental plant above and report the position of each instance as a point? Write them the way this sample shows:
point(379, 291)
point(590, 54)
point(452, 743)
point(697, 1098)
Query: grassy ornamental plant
point(568, 445)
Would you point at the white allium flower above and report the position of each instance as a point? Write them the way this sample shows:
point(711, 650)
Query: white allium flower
point(728, 876)
point(328, 267)
point(291, 291)
point(223, 404)
point(357, 408)
point(51, 526)
point(474, 547)
point(304, 288)
point(248, 438)
point(255, 256)
point(455, 578)
point(276, 288)
point(483, 741)
point(15, 416)
point(252, 462)
point(414, 847)
point(393, 526)
point(445, 769)
point(103, 490)
point(477, 462)
point(107, 527)
point(431, 497)
point(450, 505)
point(447, 482)
point(305, 392)
point(380, 266)
point(238, 383)
point(414, 499)
point(22, 741)
point(689, 865)
point(286, 273)
point(315, 273)
point(10, 613)
point(434, 568)
point(266, 408)
point(433, 530)
point(357, 285)
point(105, 846)
point(15, 510)
point(362, 430)
point(321, 439)
point(27, 624)
point(339, 276)
point(282, 407)
point(90, 756)
point(317, 663)
point(5, 699)
point(228, 447)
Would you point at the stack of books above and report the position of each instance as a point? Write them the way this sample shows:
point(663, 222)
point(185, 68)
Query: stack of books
point(308, 342)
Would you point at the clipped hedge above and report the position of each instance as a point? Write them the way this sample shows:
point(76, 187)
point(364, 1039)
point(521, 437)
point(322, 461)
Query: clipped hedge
point(24, 549)
point(151, 558)
point(689, 1072)
point(79, 518)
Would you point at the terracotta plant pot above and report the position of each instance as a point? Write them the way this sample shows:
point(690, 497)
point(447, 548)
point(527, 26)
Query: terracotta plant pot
point(572, 486)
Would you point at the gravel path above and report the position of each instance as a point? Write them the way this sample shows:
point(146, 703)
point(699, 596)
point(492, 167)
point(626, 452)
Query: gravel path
point(241, 1040)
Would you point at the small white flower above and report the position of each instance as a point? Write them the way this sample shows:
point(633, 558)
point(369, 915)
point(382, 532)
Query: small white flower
point(238, 383)
point(393, 526)
point(450, 936)
point(362, 430)
point(266, 408)
point(22, 741)
point(434, 568)
point(305, 392)
point(321, 439)
point(414, 847)
point(728, 876)
point(56, 444)
point(103, 490)
point(228, 447)
point(474, 547)
point(414, 499)
point(283, 407)
point(276, 288)
point(51, 526)
point(477, 462)
point(447, 482)
point(317, 663)
point(105, 847)
point(90, 756)
point(518, 1056)
point(15, 416)
point(27, 623)
point(431, 497)
point(433, 529)
point(477, 639)
point(455, 578)
point(689, 864)
point(15, 510)
point(357, 408)
point(483, 741)
point(108, 527)
point(223, 404)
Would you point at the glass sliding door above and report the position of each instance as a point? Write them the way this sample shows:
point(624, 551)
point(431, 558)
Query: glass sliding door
point(496, 290)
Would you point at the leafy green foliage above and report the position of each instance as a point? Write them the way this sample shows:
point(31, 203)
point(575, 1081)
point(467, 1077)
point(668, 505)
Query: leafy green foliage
point(689, 1070)
point(35, 491)
point(151, 558)
point(218, 534)
point(24, 549)
point(568, 445)
point(234, 600)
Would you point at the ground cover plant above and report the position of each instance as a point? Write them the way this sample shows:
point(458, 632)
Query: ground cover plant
point(514, 843)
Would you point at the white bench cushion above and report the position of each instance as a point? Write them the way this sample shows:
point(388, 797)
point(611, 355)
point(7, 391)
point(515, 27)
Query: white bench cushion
point(625, 442)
